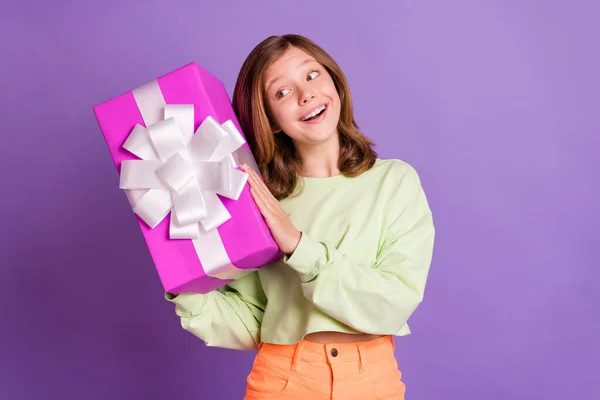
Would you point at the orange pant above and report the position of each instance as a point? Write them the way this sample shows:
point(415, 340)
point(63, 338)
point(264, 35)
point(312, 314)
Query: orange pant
point(307, 370)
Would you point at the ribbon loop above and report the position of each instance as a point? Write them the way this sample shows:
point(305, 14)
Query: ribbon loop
point(140, 174)
point(166, 138)
point(189, 204)
point(206, 139)
point(176, 172)
point(217, 213)
point(154, 206)
point(140, 144)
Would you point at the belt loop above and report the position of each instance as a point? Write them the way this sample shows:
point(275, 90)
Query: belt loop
point(295, 356)
point(361, 361)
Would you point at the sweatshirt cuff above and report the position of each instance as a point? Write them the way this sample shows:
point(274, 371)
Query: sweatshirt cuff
point(187, 303)
point(305, 258)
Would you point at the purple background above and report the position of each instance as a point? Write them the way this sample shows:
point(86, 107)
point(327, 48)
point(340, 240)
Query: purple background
point(495, 103)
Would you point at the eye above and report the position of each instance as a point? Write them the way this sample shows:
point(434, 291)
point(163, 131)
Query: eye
point(312, 75)
point(281, 93)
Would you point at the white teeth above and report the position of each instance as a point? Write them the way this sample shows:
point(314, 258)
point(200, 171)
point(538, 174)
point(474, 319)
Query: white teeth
point(312, 114)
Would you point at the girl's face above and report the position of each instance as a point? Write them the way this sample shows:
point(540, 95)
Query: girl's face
point(302, 99)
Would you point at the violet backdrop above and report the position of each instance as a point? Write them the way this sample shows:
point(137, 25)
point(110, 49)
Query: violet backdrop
point(495, 104)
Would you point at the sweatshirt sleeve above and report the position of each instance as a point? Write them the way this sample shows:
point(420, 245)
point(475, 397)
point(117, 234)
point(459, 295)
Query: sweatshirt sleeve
point(228, 317)
point(378, 298)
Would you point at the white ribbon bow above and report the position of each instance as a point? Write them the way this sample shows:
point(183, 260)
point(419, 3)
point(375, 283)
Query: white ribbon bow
point(182, 172)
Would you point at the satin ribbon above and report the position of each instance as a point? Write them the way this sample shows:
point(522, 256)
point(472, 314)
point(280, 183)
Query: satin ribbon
point(181, 172)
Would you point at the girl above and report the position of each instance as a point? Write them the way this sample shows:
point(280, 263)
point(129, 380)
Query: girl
point(356, 232)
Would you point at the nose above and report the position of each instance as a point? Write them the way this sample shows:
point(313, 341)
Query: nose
point(306, 99)
point(306, 96)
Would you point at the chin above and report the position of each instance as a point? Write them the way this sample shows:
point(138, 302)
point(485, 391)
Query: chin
point(320, 139)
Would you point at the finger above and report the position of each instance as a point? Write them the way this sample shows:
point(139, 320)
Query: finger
point(259, 200)
point(257, 194)
point(260, 186)
point(251, 176)
point(249, 171)
point(261, 192)
point(269, 205)
point(265, 208)
point(255, 180)
point(265, 197)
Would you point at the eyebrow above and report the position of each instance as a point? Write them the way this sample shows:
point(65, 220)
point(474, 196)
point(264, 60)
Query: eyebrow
point(272, 81)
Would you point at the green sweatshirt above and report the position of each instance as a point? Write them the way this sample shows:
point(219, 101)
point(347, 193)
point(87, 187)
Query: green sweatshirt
point(361, 266)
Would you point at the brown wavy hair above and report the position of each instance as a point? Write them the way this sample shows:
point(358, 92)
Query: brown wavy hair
point(275, 154)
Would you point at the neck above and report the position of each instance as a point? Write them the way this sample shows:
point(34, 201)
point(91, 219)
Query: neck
point(320, 161)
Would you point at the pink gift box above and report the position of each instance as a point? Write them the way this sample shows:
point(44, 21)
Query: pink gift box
point(245, 237)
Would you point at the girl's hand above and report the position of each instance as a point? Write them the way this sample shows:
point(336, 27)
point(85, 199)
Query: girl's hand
point(285, 234)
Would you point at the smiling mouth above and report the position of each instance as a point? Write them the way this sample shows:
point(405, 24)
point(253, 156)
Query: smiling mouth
point(315, 114)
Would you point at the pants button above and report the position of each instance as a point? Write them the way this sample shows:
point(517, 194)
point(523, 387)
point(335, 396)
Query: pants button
point(334, 352)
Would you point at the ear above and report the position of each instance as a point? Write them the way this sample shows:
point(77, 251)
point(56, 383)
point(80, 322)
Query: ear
point(275, 129)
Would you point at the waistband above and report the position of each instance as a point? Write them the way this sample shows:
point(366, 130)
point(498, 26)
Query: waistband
point(333, 352)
